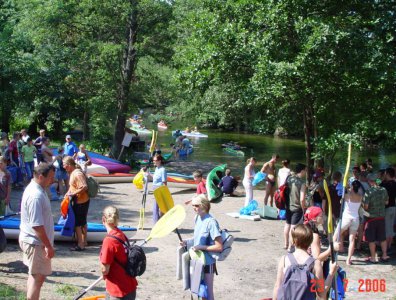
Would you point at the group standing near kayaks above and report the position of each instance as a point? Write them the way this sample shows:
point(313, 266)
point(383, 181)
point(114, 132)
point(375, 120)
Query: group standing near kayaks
point(369, 201)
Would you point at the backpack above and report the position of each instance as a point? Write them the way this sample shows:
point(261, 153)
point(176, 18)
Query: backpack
point(281, 195)
point(93, 187)
point(227, 240)
point(136, 259)
point(297, 281)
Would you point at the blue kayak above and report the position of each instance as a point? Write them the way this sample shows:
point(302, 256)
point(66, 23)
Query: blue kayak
point(96, 231)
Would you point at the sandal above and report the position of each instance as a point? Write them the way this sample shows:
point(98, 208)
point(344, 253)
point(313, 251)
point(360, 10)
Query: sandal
point(369, 261)
point(384, 259)
point(77, 248)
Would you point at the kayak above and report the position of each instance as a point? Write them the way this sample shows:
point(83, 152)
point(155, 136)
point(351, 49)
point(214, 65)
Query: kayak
point(234, 151)
point(174, 179)
point(96, 231)
point(196, 134)
point(140, 129)
point(185, 152)
point(166, 157)
point(162, 126)
point(212, 181)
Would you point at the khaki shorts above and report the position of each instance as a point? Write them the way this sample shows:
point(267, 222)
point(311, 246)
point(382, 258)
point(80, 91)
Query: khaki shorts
point(34, 257)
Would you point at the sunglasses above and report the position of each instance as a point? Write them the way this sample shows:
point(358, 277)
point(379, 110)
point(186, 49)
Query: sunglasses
point(195, 205)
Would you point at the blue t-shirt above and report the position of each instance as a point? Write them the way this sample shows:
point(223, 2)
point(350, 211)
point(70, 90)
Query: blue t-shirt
point(70, 149)
point(228, 184)
point(159, 176)
point(205, 231)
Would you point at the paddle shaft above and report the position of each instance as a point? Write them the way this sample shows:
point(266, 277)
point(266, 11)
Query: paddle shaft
point(88, 288)
point(11, 215)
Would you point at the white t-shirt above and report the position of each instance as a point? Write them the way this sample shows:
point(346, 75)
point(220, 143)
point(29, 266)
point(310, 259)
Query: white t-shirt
point(35, 211)
point(282, 175)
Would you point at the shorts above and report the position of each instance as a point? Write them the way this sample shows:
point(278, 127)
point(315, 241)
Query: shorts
point(34, 258)
point(294, 217)
point(210, 269)
point(80, 213)
point(130, 296)
point(390, 213)
point(374, 230)
point(350, 223)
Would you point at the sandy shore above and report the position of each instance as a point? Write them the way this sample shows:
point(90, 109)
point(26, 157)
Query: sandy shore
point(248, 273)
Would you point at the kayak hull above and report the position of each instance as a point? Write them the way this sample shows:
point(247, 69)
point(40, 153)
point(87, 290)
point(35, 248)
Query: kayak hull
point(212, 181)
point(96, 231)
point(234, 152)
point(191, 134)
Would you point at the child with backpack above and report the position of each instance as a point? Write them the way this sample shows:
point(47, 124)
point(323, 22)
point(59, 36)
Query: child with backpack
point(299, 275)
point(113, 258)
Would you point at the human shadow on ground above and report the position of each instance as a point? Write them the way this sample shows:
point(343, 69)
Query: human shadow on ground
point(13, 267)
point(243, 240)
point(183, 192)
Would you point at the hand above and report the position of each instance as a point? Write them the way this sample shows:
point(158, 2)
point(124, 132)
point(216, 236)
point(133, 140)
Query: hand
point(336, 246)
point(183, 243)
point(50, 252)
point(187, 201)
point(198, 247)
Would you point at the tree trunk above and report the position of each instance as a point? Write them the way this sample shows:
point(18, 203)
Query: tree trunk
point(128, 69)
point(85, 136)
point(308, 128)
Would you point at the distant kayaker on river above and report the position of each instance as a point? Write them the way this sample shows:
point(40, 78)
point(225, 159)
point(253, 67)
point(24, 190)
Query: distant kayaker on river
point(269, 169)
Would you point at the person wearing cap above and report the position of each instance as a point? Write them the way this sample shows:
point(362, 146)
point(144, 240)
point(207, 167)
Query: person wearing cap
point(374, 201)
point(70, 149)
point(313, 217)
point(296, 205)
point(207, 238)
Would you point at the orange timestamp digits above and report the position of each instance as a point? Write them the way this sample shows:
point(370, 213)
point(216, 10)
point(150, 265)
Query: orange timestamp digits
point(365, 285)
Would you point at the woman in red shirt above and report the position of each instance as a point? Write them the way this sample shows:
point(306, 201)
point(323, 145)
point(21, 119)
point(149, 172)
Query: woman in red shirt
point(113, 256)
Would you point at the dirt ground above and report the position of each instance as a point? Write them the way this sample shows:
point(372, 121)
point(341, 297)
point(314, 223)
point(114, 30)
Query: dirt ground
point(248, 273)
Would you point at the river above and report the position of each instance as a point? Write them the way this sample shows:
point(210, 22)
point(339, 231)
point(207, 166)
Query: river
point(262, 147)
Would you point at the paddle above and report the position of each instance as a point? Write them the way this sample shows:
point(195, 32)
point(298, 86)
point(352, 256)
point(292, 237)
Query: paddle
point(165, 203)
point(169, 221)
point(10, 215)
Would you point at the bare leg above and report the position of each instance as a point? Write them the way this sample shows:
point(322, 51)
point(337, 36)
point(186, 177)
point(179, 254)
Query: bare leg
point(384, 250)
point(84, 235)
point(290, 237)
point(267, 193)
point(360, 237)
point(351, 248)
point(286, 232)
point(272, 196)
point(34, 284)
point(79, 234)
point(209, 282)
point(372, 251)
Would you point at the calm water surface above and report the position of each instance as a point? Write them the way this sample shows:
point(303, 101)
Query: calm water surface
point(262, 147)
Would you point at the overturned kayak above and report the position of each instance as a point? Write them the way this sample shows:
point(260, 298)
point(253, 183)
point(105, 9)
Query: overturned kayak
point(185, 152)
point(96, 231)
point(212, 182)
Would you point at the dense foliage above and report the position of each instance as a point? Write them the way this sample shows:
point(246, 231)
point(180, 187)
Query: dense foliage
point(325, 70)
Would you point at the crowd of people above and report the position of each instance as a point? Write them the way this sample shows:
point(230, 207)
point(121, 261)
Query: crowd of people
point(366, 216)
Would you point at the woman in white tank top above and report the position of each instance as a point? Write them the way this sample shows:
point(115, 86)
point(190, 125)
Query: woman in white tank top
point(350, 218)
point(247, 180)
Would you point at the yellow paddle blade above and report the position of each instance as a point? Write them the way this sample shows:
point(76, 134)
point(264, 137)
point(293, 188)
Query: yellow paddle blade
point(138, 180)
point(347, 165)
point(330, 216)
point(141, 219)
point(164, 198)
point(153, 141)
point(168, 222)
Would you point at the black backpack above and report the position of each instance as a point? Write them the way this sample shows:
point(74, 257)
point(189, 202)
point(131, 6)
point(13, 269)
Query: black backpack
point(136, 259)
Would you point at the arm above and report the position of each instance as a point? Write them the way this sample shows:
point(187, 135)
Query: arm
point(279, 278)
point(8, 187)
point(315, 246)
point(302, 196)
point(217, 247)
point(42, 235)
point(105, 268)
point(265, 166)
point(89, 162)
point(81, 184)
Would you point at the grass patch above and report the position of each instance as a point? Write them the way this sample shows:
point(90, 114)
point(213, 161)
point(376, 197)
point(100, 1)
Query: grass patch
point(66, 290)
point(9, 292)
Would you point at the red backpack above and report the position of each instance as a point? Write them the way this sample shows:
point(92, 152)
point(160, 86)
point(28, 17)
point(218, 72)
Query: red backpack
point(282, 195)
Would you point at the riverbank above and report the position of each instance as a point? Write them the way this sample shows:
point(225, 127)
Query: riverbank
point(248, 273)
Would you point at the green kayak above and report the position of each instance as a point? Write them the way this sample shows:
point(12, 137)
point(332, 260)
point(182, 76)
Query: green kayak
point(234, 152)
point(166, 156)
point(212, 182)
